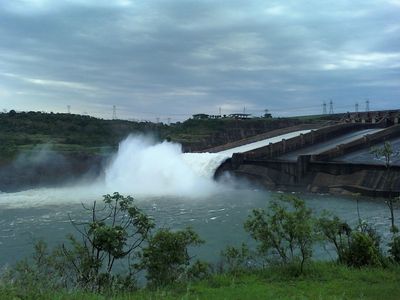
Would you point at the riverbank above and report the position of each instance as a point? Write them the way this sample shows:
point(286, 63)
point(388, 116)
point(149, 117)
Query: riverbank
point(320, 281)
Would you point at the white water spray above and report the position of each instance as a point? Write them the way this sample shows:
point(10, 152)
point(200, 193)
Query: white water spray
point(142, 167)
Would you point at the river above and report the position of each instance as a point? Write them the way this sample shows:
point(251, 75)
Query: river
point(175, 188)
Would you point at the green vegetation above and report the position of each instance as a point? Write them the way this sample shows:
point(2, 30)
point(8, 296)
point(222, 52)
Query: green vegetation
point(64, 132)
point(321, 281)
point(70, 133)
point(281, 268)
point(284, 232)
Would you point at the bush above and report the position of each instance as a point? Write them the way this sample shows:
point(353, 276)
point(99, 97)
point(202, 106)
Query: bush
point(355, 248)
point(166, 257)
point(236, 259)
point(362, 251)
point(335, 231)
point(285, 231)
point(199, 270)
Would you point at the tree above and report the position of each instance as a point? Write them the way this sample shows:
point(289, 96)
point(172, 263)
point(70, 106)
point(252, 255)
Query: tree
point(116, 230)
point(285, 231)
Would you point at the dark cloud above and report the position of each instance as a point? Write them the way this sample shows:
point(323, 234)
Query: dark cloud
point(174, 58)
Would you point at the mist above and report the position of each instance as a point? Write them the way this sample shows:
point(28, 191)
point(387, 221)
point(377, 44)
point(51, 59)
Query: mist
point(144, 167)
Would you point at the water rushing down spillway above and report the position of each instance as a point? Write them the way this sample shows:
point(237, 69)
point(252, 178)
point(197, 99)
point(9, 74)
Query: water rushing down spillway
point(144, 167)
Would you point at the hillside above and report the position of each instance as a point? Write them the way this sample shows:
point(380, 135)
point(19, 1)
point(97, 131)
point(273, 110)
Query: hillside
point(45, 148)
point(78, 133)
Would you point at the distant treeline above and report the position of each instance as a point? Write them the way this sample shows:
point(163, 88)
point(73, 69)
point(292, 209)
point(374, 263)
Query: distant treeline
point(21, 131)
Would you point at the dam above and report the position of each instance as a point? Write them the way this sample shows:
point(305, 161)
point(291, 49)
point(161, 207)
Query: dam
point(178, 188)
point(333, 159)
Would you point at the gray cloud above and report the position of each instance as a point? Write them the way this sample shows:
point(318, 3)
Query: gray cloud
point(173, 58)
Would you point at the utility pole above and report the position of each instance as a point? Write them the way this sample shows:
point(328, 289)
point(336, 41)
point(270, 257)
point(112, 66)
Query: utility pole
point(324, 108)
point(356, 110)
point(367, 105)
point(114, 115)
point(169, 121)
point(69, 108)
point(220, 111)
point(331, 107)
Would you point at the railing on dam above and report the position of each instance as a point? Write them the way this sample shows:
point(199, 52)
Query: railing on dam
point(367, 141)
point(274, 150)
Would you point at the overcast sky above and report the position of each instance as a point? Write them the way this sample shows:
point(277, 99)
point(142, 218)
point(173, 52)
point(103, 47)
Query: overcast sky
point(174, 58)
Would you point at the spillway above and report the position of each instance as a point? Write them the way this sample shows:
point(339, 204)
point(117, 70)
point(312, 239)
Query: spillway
point(206, 163)
point(144, 167)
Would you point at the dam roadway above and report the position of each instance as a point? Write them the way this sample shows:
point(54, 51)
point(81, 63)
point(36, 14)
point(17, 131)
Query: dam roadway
point(330, 144)
point(332, 159)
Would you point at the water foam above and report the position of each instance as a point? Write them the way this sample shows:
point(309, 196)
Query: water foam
point(145, 168)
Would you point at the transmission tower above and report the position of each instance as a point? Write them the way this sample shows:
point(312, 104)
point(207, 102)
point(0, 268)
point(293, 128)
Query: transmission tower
point(324, 108)
point(158, 120)
point(69, 108)
point(367, 105)
point(356, 110)
point(114, 115)
point(220, 111)
point(331, 107)
point(169, 121)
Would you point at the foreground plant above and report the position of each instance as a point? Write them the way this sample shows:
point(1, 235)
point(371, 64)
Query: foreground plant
point(166, 257)
point(116, 230)
point(284, 231)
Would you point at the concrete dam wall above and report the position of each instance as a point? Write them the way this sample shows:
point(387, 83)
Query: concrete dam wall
point(335, 159)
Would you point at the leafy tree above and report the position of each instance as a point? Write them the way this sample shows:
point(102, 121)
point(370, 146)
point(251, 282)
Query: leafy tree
point(116, 230)
point(285, 231)
point(166, 257)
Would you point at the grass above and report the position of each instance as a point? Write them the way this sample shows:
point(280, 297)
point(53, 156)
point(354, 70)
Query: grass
point(321, 281)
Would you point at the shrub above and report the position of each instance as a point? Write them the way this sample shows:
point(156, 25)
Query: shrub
point(355, 248)
point(199, 270)
point(362, 251)
point(236, 259)
point(285, 231)
point(335, 231)
point(166, 257)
